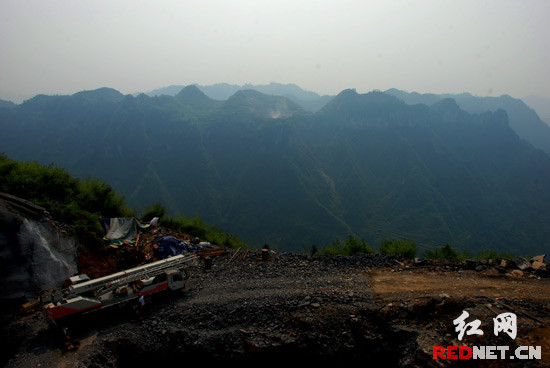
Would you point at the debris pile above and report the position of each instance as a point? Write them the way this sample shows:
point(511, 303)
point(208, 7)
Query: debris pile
point(536, 267)
point(134, 248)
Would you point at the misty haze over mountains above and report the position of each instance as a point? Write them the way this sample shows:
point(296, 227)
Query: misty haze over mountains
point(274, 170)
point(523, 119)
point(310, 101)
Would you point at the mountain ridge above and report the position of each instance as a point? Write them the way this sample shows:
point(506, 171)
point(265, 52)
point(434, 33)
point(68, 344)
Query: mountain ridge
point(260, 104)
point(367, 165)
point(309, 100)
point(523, 119)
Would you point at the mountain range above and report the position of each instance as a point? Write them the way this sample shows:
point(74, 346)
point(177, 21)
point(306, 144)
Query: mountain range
point(310, 101)
point(271, 171)
point(523, 118)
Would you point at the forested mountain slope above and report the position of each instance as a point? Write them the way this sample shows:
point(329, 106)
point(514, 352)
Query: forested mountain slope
point(269, 171)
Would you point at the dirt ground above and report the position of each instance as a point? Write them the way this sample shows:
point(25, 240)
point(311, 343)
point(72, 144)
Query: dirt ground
point(364, 308)
point(414, 283)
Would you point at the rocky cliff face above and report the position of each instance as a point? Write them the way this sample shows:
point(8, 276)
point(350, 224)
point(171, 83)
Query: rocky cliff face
point(35, 252)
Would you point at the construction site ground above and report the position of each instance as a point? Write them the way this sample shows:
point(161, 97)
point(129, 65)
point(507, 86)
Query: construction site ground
point(294, 307)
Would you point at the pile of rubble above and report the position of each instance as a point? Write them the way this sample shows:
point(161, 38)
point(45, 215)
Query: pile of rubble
point(151, 245)
point(536, 267)
point(520, 266)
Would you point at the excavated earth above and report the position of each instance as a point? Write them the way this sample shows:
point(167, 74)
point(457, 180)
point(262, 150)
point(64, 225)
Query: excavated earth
point(364, 309)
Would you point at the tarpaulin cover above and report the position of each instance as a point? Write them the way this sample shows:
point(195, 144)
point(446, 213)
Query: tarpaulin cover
point(123, 229)
point(169, 246)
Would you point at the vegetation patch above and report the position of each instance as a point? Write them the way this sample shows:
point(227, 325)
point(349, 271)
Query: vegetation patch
point(348, 247)
point(81, 203)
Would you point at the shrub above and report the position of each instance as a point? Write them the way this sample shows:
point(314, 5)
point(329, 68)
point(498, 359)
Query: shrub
point(446, 252)
point(154, 210)
point(403, 247)
point(351, 246)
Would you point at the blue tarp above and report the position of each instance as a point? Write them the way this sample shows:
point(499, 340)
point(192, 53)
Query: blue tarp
point(169, 246)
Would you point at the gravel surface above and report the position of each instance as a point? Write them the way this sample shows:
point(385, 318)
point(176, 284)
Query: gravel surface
point(292, 308)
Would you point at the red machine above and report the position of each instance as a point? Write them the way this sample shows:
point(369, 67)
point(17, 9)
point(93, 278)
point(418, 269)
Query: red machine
point(86, 295)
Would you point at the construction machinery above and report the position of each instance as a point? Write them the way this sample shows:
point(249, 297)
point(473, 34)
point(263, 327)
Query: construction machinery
point(86, 295)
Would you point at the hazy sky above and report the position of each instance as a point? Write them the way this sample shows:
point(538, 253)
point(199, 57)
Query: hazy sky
point(487, 48)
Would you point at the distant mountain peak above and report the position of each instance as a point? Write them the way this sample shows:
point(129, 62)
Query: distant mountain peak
point(446, 104)
point(448, 110)
point(348, 92)
point(191, 93)
point(361, 106)
point(103, 93)
point(261, 104)
point(192, 96)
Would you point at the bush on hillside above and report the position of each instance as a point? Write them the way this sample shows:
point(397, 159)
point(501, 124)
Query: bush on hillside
point(403, 247)
point(351, 246)
point(445, 252)
point(154, 210)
